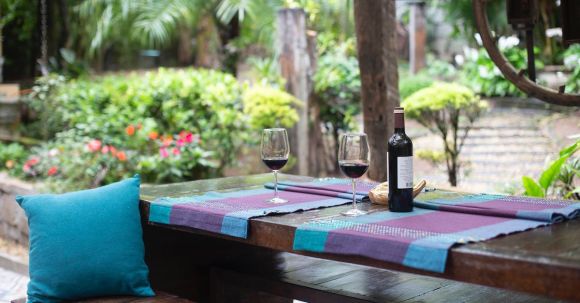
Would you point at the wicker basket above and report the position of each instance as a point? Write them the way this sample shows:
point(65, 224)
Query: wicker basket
point(380, 194)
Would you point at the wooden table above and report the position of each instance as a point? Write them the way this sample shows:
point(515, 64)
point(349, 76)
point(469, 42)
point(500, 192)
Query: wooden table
point(544, 261)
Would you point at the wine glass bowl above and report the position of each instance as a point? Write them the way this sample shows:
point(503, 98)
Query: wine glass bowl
point(353, 160)
point(275, 152)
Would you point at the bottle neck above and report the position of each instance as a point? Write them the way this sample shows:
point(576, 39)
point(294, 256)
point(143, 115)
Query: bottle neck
point(400, 123)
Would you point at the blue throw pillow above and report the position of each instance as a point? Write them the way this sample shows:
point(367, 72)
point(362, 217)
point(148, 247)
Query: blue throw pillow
point(86, 244)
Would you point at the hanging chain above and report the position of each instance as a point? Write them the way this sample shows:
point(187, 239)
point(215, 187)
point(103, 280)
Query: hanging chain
point(43, 32)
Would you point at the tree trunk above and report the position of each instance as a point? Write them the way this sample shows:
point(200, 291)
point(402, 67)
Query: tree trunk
point(295, 67)
point(377, 53)
point(208, 44)
point(184, 47)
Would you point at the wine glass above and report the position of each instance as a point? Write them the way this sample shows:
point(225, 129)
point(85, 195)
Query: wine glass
point(353, 160)
point(275, 151)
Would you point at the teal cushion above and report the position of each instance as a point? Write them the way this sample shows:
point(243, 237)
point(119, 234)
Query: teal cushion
point(86, 244)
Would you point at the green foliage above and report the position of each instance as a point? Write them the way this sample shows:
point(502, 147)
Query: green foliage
point(267, 107)
point(459, 14)
point(410, 84)
point(443, 96)
point(337, 86)
point(441, 107)
point(50, 117)
point(481, 74)
point(572, 62)
point(433, 156)
point(12, 156)
point(558, 178)
point(170, 125)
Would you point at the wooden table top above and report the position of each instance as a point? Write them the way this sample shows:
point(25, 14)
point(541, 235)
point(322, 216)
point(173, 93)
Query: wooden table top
point(544, 261)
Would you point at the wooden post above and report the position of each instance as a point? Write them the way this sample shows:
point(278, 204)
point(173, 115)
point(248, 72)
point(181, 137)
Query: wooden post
point(417, 37)
point(377, 54)
point(296, 69)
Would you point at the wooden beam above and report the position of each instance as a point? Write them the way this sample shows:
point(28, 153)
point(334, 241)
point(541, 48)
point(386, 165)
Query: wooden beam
point(295, 67)
point(417, 37)
point(377, 56)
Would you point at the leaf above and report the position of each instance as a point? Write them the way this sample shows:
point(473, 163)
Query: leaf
point(575, 191)
point(570, 149)
point(532, 188)
point(549, 175)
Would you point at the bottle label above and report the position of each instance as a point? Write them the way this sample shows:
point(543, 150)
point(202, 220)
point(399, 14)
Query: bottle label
point(405, 172)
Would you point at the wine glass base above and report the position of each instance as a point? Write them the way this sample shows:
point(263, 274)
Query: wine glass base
point(353, 212)
point(277, 200)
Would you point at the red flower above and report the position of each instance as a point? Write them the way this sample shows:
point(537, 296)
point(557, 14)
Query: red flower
point(113, 150)
point(94, 145)
point(52, 171)
point(189, 138)
point(153, 135)
point(130, 130)
point(180, 142)
point(32, 161)
point(163, 152)
point(121, 156)
point(26, 168)
point(176, 151)
point(105, 149)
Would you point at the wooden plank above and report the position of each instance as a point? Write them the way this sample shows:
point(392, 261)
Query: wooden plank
point(543, 261)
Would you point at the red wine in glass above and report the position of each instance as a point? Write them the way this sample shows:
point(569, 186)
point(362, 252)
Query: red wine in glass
point(353, 160)
point(275, 152)
point(275, 163)
point(353, 170)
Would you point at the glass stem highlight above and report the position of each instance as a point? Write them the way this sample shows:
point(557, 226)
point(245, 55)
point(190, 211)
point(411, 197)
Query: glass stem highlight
point(353, 194)
point(276, 184)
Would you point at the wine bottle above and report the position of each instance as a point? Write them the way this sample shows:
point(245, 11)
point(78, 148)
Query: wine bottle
point(400, 166)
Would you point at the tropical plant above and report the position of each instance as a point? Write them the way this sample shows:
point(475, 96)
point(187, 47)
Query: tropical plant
point(449, 110)
point(558, 178)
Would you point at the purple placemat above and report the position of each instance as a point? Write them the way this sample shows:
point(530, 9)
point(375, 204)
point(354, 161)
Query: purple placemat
point(422, 238)
point(228, 212)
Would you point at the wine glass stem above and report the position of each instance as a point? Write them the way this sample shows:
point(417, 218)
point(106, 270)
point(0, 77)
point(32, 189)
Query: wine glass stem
point(276, 184)
point(353, 194)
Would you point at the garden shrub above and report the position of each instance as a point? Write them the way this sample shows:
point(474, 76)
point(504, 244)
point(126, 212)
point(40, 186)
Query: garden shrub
point(168, 125)
point(268, 107)
point(410, 84)
point(449, 110)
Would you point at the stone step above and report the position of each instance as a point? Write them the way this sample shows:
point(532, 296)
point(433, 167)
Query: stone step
point(495, 159)
point(507, 149)
point(493, 141)
point(504, 133)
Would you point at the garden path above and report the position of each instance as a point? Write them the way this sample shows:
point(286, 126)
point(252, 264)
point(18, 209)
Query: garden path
point(504, 145)
point(12, 285)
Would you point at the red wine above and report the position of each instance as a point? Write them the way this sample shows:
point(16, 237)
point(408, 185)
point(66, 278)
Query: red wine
point(400, 167)
point(353, 169)
point(275, 163)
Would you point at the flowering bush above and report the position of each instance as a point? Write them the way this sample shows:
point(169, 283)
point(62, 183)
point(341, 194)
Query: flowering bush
point(168, 125)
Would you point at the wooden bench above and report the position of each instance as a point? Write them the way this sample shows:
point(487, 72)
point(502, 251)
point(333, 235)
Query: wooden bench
point(314, 280)
point(160, 297)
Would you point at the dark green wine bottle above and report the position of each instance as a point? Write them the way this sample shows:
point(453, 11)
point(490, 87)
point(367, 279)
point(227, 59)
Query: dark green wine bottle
point(400, 167)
